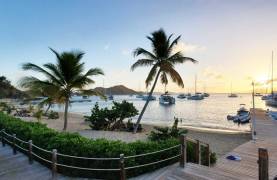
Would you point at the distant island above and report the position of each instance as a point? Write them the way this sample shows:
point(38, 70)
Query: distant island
point(116, 90)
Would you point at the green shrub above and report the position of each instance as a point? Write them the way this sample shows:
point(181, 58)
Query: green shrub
point(111, 119)
point(76, 145)
point(53, 115)
point(163, 133)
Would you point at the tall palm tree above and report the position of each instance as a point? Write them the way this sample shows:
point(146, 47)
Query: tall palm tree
point(65, 77)
point(162, 60)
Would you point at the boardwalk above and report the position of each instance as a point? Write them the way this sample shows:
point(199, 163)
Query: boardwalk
point(225, 169)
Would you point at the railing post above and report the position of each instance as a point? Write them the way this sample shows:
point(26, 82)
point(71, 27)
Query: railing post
point(198, 152)
point(13, 144)
point(208, 155)
point(30, 143)
point(54, 164)
point(2, 137)
point(183, 156)
point(263, 164)
point(122, 168)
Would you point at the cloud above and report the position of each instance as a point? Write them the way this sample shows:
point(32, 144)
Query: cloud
point(188, 48)
point(107, 46)
point(211, 73)
point(126, 52)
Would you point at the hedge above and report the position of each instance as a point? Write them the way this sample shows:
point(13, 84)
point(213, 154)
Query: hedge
point(76, 145)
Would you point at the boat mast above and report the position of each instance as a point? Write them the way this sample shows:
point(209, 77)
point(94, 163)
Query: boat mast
point(195, 84)
point(272, 74)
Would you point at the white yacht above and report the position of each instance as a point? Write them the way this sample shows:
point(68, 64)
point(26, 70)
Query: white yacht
point(166, 99)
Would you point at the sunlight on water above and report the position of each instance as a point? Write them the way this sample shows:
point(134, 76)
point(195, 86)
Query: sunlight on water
point(208, 113)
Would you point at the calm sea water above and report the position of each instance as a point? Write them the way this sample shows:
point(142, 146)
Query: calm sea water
point(208, 113)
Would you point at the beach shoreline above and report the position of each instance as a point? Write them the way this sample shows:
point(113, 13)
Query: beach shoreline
point(221, 142)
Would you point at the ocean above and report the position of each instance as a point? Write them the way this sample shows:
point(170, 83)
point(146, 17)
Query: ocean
point(208, 113)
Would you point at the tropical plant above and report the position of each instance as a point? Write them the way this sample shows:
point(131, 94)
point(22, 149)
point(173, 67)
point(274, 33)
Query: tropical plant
point(163, 133)
point(38, 114)
point(162, 61)
point(111, 119)
point(64, 78)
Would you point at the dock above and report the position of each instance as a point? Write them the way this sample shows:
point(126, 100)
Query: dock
point(246, 169)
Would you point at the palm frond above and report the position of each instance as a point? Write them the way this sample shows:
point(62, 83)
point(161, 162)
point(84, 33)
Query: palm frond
point(33, 67)
point(141, 51)
point(54, 69)
point(164, 79)
point(178, 58)
point(173, 43)
point(151, 75)
point(174, 75)
point(142, 62)
point(94, 72)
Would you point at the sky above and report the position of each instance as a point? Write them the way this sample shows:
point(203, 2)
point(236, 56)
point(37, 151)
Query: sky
point(231, 39)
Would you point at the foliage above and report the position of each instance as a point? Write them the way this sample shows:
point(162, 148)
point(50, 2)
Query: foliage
point(53, 115)
point(63, 78)
point(111, 119)
point(74, 144)
point(38, 114)
point(161, 60)
point(9, 91)
point(5, 107)
point(163, 133)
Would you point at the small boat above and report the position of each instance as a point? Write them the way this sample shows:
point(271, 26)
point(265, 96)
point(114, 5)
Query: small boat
point(166, 99)
point(151, 98)
point(110, 97)
point(85, 97)
point(258, 94)
point(243, 115)
point(232, 95)
point(266, 97)
point(139, 96)
point(272, 101)
point(181, 96)
point(196, 97)
point(206, 94)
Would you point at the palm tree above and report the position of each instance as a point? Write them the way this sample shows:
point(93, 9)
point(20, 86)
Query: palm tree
point(162, 60)
point(64, 78)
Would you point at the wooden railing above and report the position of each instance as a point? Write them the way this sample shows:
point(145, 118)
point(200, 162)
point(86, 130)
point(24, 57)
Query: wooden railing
point(12, 140)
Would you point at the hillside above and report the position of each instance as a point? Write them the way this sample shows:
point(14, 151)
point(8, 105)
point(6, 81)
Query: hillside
point(116, 90)
point(9, 91)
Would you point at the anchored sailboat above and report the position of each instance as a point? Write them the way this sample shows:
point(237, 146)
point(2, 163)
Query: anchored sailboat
point(272, 99)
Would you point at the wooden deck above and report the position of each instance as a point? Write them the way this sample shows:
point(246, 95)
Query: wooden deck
point(17, 167)
point(224, 169)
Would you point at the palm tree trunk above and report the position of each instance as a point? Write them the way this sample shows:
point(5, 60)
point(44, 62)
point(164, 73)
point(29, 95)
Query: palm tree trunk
point(49, 105)
point(65, 114)
point(146, 103)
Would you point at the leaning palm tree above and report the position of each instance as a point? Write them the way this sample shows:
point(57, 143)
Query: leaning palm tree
point(65, 77)
point(162, 60)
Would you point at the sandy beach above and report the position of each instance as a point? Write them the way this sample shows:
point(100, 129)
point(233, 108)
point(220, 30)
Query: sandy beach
point(220, 142)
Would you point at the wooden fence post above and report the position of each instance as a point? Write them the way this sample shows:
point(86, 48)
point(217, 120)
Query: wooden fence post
point(208, 155)
point(198, 152)
point(122, 168)
point(30, 143)
point(2, 137)
point(183, 156)
point(13, 144)
point(54, 164)
point(263, 164)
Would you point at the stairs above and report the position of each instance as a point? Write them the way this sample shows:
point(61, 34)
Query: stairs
point(17, 167)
